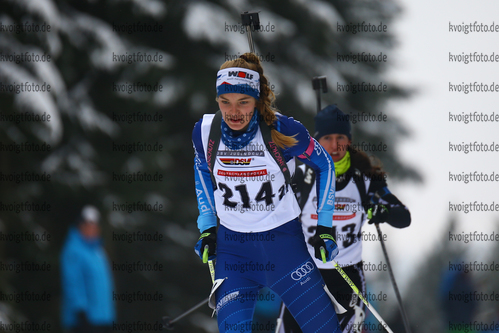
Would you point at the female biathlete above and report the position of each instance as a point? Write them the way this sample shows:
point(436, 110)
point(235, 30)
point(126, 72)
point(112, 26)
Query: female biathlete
point(361, 190)
point(243, 177)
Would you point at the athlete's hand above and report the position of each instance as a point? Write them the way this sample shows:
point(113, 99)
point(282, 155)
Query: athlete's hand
point(323, 240)
point(206, 246)
point(377, 214)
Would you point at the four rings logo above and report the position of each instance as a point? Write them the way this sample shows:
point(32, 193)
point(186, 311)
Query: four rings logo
point(302, 271)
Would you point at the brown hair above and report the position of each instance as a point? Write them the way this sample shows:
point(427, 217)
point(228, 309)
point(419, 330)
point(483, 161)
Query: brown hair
point(264, 105)
point(368, 165)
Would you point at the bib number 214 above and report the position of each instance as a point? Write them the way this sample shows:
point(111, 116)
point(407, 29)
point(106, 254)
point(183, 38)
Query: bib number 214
point(264, 194)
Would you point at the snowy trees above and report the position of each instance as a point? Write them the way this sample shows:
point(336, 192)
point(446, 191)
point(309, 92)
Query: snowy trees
point(97, 106)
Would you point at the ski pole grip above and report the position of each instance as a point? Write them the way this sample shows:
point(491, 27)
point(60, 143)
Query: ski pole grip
point(205, 254)
point(251, 19)
point(323, 254)
point(248, 20)
point(316, 84)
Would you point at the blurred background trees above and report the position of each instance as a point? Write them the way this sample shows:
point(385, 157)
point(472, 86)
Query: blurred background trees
point(196, 38)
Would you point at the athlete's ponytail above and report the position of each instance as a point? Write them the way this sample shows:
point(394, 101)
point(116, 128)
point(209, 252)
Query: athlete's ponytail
point(264, 105)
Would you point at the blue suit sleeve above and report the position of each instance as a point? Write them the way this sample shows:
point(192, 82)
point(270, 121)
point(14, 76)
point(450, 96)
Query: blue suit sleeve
point(204, 186)
point(310, 152)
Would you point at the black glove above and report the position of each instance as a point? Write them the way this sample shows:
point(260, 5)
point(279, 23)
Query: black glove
point(207, 238)
point(377, 214)
point(323, 239)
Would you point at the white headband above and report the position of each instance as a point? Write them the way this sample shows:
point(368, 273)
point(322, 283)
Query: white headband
point(238, 80)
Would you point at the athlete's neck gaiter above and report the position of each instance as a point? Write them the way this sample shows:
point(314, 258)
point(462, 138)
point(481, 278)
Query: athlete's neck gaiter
point(238, 139)
point(342, 165)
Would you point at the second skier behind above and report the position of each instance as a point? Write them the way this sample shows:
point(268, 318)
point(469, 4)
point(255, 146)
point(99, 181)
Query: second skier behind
point(361, 194)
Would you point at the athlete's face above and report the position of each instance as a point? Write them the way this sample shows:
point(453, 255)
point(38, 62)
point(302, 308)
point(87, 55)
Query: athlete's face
point(237, 110)
point(336, 145)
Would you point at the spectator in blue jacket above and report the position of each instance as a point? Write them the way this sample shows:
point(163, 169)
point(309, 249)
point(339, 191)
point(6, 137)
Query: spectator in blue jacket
point(87, 284)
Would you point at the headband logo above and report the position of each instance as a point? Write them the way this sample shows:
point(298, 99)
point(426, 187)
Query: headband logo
point(241, 74)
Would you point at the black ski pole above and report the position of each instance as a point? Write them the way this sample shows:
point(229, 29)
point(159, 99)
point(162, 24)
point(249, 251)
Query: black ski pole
point(248, 20)
point(397, 293)
point(168, 323)
point(357, 291)
point(319, 82)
